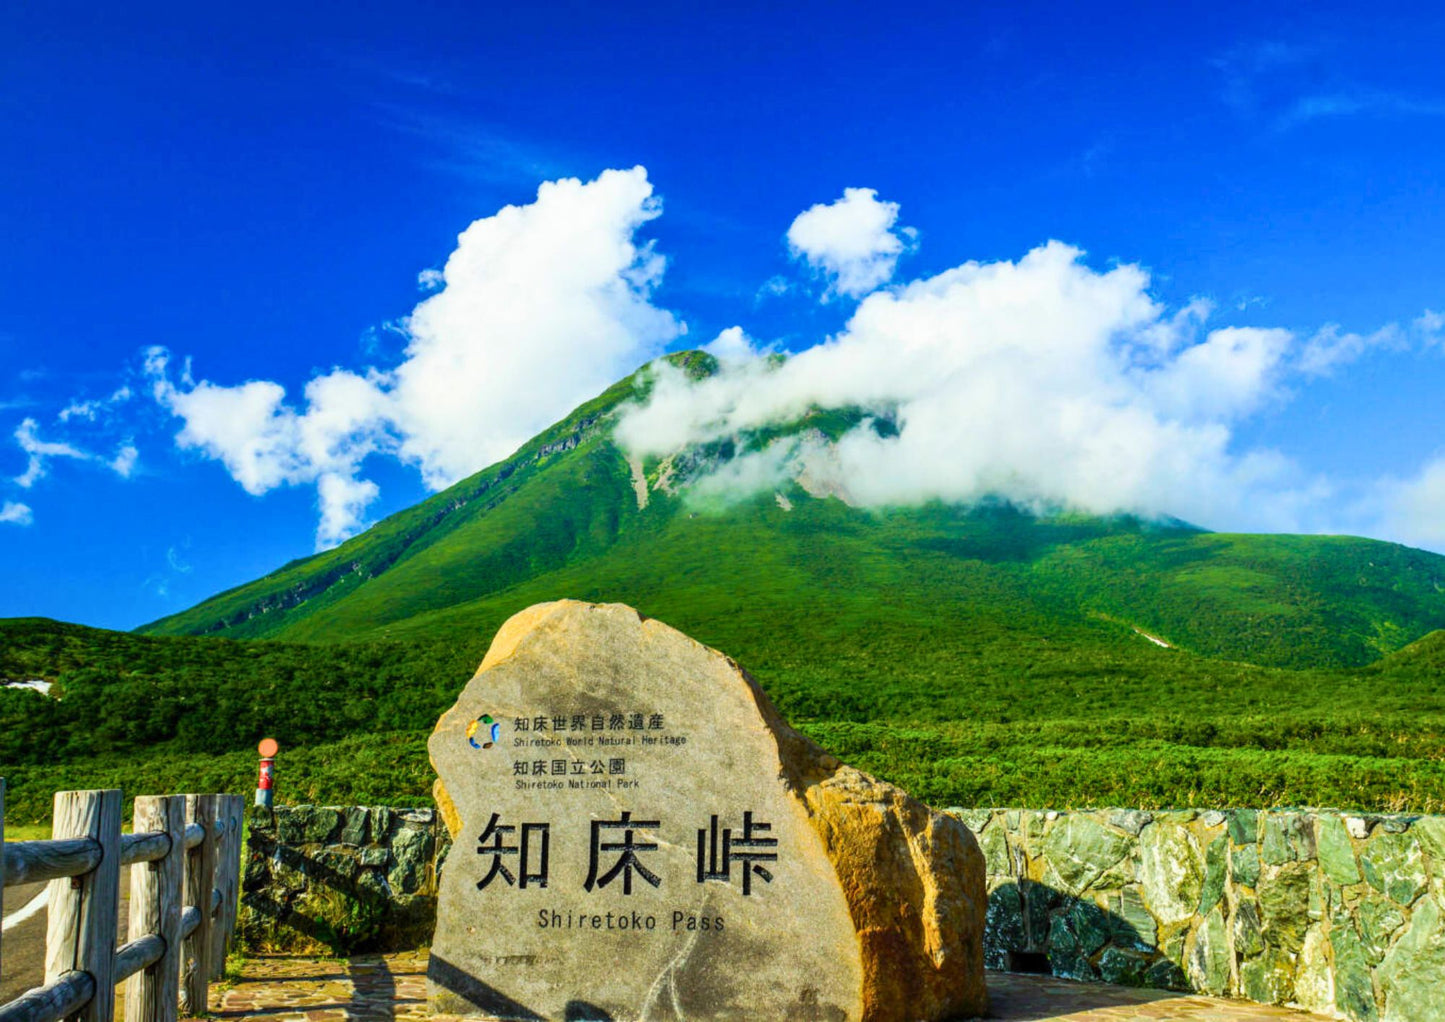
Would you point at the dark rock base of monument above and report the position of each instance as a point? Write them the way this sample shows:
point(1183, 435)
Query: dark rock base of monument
point(639, 836)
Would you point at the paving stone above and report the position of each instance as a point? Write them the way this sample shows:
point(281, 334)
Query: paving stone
point(392, 988)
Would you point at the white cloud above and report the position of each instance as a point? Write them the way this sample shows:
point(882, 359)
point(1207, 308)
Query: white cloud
point(1413, 510)
point(774, 287)
point(265, 442)
point(1228, 375)
point(123, 464)
point(90, 410)
point(15, 513)
point(40, 451)
point(1332, 347)
point(1041, 380)
point(544, 305)
point(732, 345)
point(540, 307)
point(1430, 327)
point(851, 241)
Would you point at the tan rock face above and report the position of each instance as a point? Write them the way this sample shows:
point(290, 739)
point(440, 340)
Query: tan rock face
point(640, 836)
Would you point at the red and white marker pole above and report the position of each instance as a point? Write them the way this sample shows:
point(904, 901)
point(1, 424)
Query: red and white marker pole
point(266, 778)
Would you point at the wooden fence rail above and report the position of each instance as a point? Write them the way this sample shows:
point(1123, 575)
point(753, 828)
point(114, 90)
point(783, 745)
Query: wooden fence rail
point(185, 860)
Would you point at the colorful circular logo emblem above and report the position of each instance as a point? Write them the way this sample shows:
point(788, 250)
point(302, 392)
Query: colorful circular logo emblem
point(488, 729)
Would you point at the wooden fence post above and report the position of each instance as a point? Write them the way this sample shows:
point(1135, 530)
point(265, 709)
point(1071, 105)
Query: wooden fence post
point(233, 900)
point(155, 907)
point(229, 812)
point(225, 852)
point(2, 860)
point(200, 874)
point(2, 857)
point(82, 910)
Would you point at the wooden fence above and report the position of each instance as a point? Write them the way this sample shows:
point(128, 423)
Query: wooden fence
point(184, 859)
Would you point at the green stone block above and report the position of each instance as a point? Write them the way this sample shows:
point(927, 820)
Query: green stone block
point(1067, 959)
point(371, 885)
point(1394, 865)
point(1216, 861)
point(1034, 825)
point(1378, 920)
point(1039, 900)
point(1243, 826)
point(1133, 926)
point(334, 867)
point(1288, 837)
point(354, 828)
point(1003, 925)
point(1171, 873)
point(1354, 989)
point(1314, 985)
point(1244, 865)
point(291, 824)
point(1130, 820)
point(994, 845)
point(1078, 850)
point(1209, 963)
point(412, 849)
point(1410, 975)
point(1268, 979)
point(1246, 925)
point(1274, 849)
point(1166, 975)
point(306, 825)
point(1124, 968)
point(1337, 854)
point(1284, 903)
point(374, 856)
point(1090, 924)
point(1173, 946)
point(1430, 832)
point(974, 819)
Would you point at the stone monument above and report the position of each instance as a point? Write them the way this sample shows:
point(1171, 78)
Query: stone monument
point(639, 836)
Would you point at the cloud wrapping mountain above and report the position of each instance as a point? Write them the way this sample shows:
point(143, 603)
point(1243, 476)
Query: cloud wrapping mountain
point(1040, 380)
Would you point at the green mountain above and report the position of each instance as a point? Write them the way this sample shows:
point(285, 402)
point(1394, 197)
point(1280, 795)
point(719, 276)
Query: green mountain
point(564, 516)
point(976, 655)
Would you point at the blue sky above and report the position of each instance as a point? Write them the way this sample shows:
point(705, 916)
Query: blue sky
point(258, 191)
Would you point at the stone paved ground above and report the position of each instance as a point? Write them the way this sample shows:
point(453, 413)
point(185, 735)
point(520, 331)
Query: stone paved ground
point(382, 988)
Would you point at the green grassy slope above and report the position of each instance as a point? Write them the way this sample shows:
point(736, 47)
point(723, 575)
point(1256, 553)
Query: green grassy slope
point(988, 714)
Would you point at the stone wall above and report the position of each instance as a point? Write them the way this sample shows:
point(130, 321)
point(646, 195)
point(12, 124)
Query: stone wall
point(1337, 913)
point(340, 879)
point(1340, 914)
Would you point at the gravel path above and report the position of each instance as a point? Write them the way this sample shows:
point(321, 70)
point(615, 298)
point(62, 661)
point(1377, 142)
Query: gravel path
point(383, 988)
